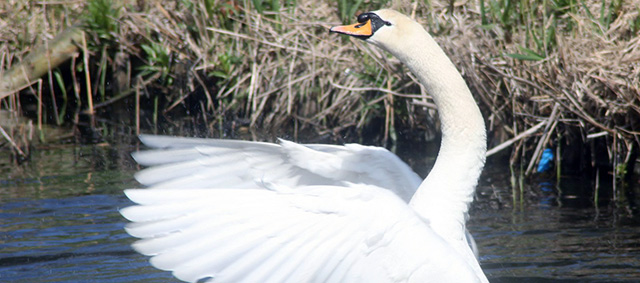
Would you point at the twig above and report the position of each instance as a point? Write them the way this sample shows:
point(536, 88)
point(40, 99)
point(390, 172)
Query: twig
point(10, 140)
point(548, 129)
point(376, 89)
point(210, 104)
point(124, 93)
point(137, 103)
point(522, 135)
point(597, 135)
point(40, 61)
point(87, 75)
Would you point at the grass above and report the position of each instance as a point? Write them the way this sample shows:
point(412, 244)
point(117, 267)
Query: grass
point(221, 67)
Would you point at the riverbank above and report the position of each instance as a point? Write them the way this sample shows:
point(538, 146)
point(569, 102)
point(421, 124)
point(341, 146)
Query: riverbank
point(562, 75)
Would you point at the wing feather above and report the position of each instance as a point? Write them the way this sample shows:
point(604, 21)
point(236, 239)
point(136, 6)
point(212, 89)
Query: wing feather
point(211, 163)
point(279, 234)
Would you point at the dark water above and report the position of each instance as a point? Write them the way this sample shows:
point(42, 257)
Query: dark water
point(59, 219)
point(551, 244)
point(59, 222)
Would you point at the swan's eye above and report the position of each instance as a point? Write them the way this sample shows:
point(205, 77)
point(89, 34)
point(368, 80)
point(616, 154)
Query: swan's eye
point(364, 17)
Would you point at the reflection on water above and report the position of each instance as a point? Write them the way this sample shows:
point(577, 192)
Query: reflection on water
point(59, 222)
point(556, 243)
point(59, 219)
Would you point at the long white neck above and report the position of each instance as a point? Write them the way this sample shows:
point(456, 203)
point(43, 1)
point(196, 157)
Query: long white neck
point(444, 196)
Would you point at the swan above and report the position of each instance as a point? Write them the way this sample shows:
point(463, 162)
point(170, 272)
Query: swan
point(239, 211)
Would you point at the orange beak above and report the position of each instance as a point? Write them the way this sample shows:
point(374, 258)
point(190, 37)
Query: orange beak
point(357, 30)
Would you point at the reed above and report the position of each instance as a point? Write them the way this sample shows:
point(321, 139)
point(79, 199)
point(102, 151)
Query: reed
point(546, 73)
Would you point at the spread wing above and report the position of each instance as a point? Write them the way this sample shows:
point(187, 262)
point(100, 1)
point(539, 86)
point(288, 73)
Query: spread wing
point(210, 163)
point(353, 233)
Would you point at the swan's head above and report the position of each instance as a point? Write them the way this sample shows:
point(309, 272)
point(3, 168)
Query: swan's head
point(385, 28)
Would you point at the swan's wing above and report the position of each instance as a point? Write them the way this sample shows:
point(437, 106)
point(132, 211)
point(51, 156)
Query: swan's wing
point(208, 163)
point(179, 162)
point(193, 162)
point(308, 234)
point(355, 163)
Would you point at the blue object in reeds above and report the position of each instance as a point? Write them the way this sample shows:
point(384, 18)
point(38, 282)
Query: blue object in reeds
point(545, 160)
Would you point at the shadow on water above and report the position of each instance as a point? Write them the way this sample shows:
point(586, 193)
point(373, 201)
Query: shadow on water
point(59, 222)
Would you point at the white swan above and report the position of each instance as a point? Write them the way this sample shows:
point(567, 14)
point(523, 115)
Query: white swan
point(234, 211)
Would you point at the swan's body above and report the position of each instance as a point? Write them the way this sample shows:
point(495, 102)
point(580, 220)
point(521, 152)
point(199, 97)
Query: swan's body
point(234, 211)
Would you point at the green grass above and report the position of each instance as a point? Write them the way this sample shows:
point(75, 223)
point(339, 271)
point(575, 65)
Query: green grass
point(541, 20)
point(157, 60)
point(102, 19)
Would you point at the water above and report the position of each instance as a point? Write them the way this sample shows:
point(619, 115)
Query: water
point(59, 222)
point(59, 219)
point(553, 244)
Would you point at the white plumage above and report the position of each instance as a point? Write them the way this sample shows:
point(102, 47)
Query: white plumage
point(236, 211)
point(210, 163)
point(323, 233)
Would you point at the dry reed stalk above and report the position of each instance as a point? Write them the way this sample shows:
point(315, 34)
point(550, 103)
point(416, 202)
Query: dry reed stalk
point(281, 69)
point(85, 60)
point(551, 124)
point(592, 76)
point(13, 144)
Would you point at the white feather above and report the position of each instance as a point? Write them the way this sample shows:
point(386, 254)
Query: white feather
point(262, 235)
point(225, 163)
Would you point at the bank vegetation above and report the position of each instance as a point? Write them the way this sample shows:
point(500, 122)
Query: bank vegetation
point(563, 75)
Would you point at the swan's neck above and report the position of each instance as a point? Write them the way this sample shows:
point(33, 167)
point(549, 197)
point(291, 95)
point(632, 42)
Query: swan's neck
point(445, 195)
